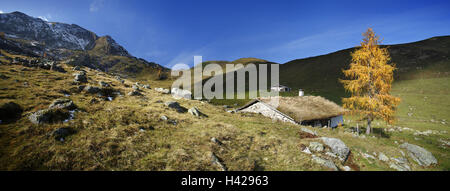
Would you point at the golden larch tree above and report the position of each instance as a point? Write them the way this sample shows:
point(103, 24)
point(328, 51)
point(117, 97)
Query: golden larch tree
point(370, 77)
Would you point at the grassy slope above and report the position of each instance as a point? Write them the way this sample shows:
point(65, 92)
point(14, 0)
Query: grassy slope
point(108, 135)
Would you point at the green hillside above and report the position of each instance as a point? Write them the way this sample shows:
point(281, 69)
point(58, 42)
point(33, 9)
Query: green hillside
point(320, 75)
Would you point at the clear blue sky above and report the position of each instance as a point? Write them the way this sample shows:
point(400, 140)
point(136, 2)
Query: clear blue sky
point(169, 31)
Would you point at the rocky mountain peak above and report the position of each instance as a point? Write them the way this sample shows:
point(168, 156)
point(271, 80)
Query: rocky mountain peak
point(56, 35)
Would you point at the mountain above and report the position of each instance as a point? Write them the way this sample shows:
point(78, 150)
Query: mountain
point(320, 75)
point(70, 43)
point(55, 35)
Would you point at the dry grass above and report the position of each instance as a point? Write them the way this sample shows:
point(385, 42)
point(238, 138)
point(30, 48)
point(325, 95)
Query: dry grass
point(109, 136)
point(306, 107)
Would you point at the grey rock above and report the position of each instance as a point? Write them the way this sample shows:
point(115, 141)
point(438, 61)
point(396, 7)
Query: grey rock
point(383, 157)
point(180, 93)
point(135, 87)
point(134, 93)
point(346, 168)
point(146, 86)
point(195, 112)
point(81, 77)
point(62, 104)
point(164, 118)
point(217, 162)
point(307, 151)
point(419, 154)
point(400, 166)
point(337, 147)
point(103, 84)
point(49, 116)
point(325, 162)
point(306, 130)
point(162, 90)
point(92, 89)
point(175, 105)
point(316, 146)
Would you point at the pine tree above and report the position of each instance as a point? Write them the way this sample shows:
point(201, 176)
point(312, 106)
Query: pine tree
point(370, 79)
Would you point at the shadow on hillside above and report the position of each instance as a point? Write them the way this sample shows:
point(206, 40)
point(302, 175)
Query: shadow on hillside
point(379, 132)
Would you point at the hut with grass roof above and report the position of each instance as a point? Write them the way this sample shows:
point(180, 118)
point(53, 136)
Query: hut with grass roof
point(305, 110)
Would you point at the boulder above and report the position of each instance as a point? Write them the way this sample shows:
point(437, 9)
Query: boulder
point(180, 93)
point(10, 112)
point(337, 147)
point(175, 105)
point(383, 157)
point(103, 84)
point(316, 146)
point(162, 90)
point(134, 93)
point(62, 104)
point(146, 86)
point(306, 130)
point(419, 154)
point(325, 162)
point(195, 112)
point(92, 89)
point(80, 77)
point(49, 116)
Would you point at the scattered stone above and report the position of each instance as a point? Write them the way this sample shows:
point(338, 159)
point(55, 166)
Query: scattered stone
point(346, 168)
point(217, 162)
point(444, 142)
point(306, 130)
point(62, 104)
point(316, 146)
point(81, 77)
point(103, 84)
point(195, 112)
point(325, 162)
point(337, 147)
point(383, 157)
point(76, 68)
point(400, 167)
point(48, 116)
point(162, 90)
point(419, 154)
point(92, 89)
point(135, 87)
point(307, 151)
point(368, 156)
point(10, 112)
point(164, 118)
point(180, 93)
point(146, 86)
point(134, 93)
point(175, 105)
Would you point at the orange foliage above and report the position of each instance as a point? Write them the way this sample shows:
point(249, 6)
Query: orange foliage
point(370, 79)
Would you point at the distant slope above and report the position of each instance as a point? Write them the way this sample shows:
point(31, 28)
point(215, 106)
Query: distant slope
point(320, 75)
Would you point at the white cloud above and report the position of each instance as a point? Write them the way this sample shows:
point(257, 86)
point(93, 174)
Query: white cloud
point(43, 18)
point(96, 5)
point(1, 11)
point(46, 18)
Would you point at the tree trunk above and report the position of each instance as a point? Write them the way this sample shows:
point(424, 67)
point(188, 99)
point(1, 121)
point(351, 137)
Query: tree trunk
point(357, 128)
point(368, 126)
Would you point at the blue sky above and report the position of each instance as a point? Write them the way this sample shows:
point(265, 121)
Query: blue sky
point(170, 32)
